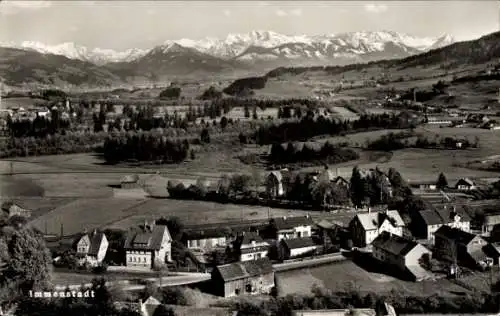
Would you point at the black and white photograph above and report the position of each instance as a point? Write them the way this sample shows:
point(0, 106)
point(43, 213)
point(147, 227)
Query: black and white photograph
point(249, 158)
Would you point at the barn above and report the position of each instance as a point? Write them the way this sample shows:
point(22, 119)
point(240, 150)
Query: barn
point(249, 277)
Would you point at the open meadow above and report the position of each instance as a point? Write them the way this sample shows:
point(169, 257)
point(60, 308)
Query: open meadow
point(347, 275)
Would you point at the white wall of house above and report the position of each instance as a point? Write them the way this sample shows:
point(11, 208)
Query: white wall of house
point(253, 255)
point(386, 226)
point(83, 245)
point(102, 249)
point(296, 232)
point(413, 257)
point(431, 230)
point(299, 251)
point(207, 243)
point(165, 253)
point(139, 258)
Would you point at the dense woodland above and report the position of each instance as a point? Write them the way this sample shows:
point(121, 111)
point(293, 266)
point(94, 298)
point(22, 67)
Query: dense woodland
point(309, 127)
point(144, 147)
point(327, 153)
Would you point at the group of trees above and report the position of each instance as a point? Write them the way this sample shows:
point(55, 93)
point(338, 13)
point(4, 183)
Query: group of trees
point(328, 153)
point(309, 127)
point(396, 141)
point(144, 147)
point(245, 84)
point(38, 127)
point(374, 187)
point(170, 93)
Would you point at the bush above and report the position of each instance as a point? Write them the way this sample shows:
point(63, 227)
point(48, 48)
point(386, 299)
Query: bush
point(100, 269)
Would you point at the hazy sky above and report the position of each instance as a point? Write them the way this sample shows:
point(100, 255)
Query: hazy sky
point(122, 25)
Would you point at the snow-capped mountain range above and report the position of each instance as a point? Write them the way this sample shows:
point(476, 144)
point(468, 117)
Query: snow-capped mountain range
point(262, 46)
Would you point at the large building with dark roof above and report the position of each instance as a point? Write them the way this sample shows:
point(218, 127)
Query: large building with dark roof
point(148, 245)
point(455, 245)
point(425, 223)
point(401, 253)
point(249, 277)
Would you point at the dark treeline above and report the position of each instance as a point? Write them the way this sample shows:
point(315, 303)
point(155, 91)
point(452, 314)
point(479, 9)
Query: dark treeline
point(473, 303)
point(309, 127)
point(70, 143)
point(250, 83)
point(396, 141)
point(328, 153)
point(144, 147)
point(39, 126)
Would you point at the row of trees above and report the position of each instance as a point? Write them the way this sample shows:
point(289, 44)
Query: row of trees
point(328, 153)
point(309, 127)
point(144, 147)
point(396, 141)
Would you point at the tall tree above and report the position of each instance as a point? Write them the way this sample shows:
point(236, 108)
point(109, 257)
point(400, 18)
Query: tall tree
point(442, 182)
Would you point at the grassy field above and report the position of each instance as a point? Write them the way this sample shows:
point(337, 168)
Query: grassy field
point(344, 275)
point(196, 212)
point(25, 102)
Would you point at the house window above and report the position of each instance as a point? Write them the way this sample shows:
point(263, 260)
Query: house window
point(306, 234)
point(237, 291)
point(248, 288)
point(299, 234)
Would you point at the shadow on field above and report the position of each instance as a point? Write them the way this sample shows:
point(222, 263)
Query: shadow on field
point(14, 186)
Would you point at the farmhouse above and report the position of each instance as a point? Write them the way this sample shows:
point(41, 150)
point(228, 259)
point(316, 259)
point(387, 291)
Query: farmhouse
point(365, 227)
point(13, 209)
point(129, 181)
point(401, 253)
point(251, 246)
point(452, 244)
point(291, 227)
point(290, 248)
point(249, 277)
point(424, 185)
point(91, 248)
point(148, 246)
point(465, 184)
point(275, 186)
point(426, 222)
point(205, 239)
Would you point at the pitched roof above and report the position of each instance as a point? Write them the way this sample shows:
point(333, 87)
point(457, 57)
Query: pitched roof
point(203, 233)
point(249, 237)
point(393, 244)
point(466, 181)
point(291, 222)
point(455, 234)
point(277, 175)
point(431, 217)
point(240, 270)
point(373, 220)
point(146, 238)
point(95, 242)
point(296, 243)
point(448, 214)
